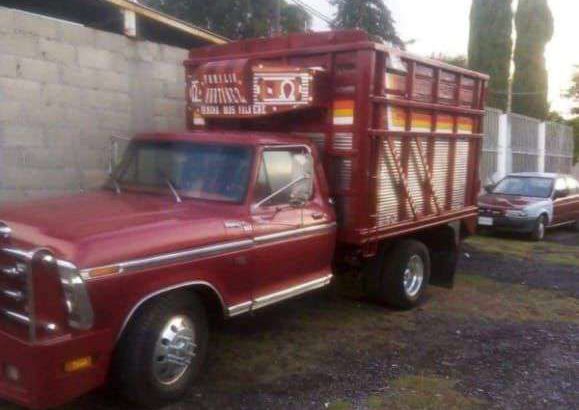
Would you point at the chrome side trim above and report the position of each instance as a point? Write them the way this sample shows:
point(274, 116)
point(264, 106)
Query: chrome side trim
point(211, 250)
point(239, 309)
point(186, 255)
point(5, 231)
point(276, 297)
point(291, 292)
point(295, 232)
point(165, 290)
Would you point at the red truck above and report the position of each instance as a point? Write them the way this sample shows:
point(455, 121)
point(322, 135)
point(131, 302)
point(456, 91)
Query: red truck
point(308, 156)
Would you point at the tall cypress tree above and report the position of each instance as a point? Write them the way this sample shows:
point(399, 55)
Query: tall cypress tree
point(490, 46)
point(534, 23)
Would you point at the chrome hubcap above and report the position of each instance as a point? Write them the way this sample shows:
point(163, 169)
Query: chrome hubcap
point(174, 350)
point(413, 276)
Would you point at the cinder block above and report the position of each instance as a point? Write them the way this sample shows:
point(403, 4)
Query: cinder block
point(160, 123)
point(18, 45)
point(8, 66)
point(44, 114)
point(114, 42)
point(168, 107)
point(38, 70)
point(168, 71)
point(79, 77)
point(173, 54)
point(109, 80)
point(148, 51)
point(121, 64)
point(6, 20)
point(175, 90)
point(62, 95)
point(108, 100)
point(34, 178)
point(12, 195)
point(14, 135)
point(63, 134)
point(19, 89)
point(93, 159)
point(57, 52)
point(11, 156)
point(115, 119)
point(94, 58)
point(76, 35)
point(35, 25)
point(10, 111)
point(53, 157)
point(94, 178)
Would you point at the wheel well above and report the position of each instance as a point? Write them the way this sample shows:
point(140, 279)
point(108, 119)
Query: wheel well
point(443, 243)
point(209, 296)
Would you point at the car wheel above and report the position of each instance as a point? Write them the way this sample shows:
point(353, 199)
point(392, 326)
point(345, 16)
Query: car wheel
point(163, 350)
point(400, 278)
point(538, 232)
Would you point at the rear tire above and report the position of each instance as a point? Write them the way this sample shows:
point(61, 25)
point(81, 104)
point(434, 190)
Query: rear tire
point(163, 350)
point(538, 232)
point(400, 275)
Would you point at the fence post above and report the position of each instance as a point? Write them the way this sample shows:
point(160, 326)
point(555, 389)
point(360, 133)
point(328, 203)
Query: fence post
point(541, 151)
point(502, 146)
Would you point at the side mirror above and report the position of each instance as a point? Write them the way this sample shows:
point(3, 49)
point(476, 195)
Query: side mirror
point(561, 193)
point(489, 188)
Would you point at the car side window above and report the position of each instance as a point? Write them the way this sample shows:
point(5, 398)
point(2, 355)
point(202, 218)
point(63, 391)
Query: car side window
point(278, 169)
point(573, 186)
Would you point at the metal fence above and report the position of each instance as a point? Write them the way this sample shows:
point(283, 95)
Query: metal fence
point(516, 143)
point(558, 148)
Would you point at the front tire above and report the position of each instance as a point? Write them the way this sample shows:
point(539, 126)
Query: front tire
point(401, 276)
point(163, 350)
point(538, 232)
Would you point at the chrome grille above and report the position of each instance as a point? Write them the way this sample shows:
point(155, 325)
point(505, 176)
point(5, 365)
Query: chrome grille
point(14, 286)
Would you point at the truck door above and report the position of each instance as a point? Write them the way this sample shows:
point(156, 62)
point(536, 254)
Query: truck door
point(293, 229)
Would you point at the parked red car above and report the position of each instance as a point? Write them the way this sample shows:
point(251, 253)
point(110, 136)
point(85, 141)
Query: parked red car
point(530, 202)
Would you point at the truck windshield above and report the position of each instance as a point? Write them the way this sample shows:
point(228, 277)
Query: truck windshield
point(195, 170)
point(525, 186)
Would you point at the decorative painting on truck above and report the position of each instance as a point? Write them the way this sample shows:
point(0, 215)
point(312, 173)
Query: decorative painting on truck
point(240, 88)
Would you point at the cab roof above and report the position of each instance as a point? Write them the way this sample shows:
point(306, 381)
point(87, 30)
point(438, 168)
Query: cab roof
point(252, 138)
point(535, 174)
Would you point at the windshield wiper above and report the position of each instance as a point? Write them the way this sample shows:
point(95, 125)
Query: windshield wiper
point(170, 185)
point(173, 190)
point(116, 185)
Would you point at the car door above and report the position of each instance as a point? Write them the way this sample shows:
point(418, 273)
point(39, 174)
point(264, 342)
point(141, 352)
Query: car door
point(562, 202)
point(573, 200)
point(293, 227)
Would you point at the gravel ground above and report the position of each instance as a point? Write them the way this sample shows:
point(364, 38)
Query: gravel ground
point(507, 337)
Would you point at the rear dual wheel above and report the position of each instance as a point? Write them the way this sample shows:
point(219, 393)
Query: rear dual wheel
point(399, 275)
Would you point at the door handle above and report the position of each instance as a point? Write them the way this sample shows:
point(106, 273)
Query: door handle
point(317, 215)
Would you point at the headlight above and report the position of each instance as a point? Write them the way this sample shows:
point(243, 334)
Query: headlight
point(515, 213)
point(77, 300)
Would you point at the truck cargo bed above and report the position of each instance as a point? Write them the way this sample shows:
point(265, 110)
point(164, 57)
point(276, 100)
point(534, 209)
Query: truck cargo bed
point(400, 135)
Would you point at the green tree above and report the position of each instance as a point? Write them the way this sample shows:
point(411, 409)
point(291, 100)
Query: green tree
point(370, 15)
point(534, 23)
point(490, 46)
point(573, 92)
point(235, 19)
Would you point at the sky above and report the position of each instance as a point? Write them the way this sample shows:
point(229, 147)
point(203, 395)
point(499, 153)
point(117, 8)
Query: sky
point(441, 27)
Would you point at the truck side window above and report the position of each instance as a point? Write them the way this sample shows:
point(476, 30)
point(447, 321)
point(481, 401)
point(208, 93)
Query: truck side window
point(278, 169)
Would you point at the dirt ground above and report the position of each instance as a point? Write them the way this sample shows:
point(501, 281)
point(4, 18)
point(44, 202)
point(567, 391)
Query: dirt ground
point(506, 337)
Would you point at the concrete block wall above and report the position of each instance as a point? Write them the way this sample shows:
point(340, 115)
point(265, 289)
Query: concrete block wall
point(65, 89)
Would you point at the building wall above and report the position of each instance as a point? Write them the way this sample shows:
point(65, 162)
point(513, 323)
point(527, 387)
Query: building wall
point(65, 90)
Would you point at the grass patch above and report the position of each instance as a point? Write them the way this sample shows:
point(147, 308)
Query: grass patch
point(417, 392)
point(477, 296)
point(521, 249)
point(425, 393)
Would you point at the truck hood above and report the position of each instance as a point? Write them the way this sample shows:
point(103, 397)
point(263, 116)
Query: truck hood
point(103, 227)
point(507, 201)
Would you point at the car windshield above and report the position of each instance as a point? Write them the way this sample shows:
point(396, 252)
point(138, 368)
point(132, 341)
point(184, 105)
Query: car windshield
point(525, 186)
point(194, 170)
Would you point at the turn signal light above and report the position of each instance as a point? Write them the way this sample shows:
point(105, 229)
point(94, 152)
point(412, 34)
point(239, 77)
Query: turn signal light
point(78, 364)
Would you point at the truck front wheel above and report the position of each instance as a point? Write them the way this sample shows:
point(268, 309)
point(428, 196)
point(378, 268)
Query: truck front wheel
point(163, 350)
point(401, 276)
